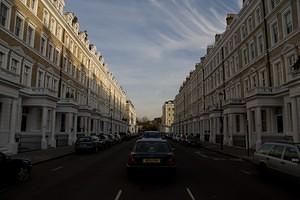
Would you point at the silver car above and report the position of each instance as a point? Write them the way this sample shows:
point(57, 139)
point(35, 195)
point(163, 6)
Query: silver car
point(278, 156)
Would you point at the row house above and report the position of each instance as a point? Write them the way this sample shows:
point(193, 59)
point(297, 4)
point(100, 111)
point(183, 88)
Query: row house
point(54, 84)
point(245, 90)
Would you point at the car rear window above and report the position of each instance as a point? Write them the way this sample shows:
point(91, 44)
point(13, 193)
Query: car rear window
point(151, 135)
point(152, 147)
point(84, 139)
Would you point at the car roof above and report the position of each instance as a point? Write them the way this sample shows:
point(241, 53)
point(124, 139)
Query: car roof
point(151, 140)
point(282, 143)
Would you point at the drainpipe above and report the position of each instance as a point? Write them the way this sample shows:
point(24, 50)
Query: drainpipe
point(267, 43)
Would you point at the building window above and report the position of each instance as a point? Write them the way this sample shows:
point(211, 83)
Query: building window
point(4, 14)
point(278, 74)
point(46, 18)
point(59, 32)
point(260, 44)
point(43, 45)
point(245, 56)
point(262, 78)
point(274, 33)
point(2, 59)
point(19, 26)
point(258, 15)
point(26, 78)
point(288, 22)
point(52, 26)
point(274, 3)
point(50, 52)
point(40, 79)
point(14, 65)
point(250, 24)
point(33, 5)
point(30, 35)
point(56, 57)
point(252, 50)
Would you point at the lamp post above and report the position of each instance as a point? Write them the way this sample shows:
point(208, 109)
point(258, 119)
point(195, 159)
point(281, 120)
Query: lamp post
point(221, 97)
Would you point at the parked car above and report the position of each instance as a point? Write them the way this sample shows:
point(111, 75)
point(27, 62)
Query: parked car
point(151, 153)
point(88, 144)
point(14, 170)
point(105, 139)
point(193, 140)
point(111, 139)
point(279, 156)
point(118, 138)
point(151, 134)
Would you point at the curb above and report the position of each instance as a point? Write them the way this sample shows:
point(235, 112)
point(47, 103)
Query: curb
point(229, 154)
point(53, 158)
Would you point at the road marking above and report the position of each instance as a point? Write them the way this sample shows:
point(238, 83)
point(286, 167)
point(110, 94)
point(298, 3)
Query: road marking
point(201, 154)
point(57, 168)
point(246, 172)
point(118, 195)
point(190, 193)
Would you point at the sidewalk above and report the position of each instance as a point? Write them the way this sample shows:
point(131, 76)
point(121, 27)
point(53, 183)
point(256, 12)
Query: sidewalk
point(41, 156)
point(236, 152)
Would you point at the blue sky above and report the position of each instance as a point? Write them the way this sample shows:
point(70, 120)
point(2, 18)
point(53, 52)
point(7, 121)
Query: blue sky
point(151, 45)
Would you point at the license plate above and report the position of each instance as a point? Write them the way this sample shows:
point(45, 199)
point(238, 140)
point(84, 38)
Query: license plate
point(151, 160)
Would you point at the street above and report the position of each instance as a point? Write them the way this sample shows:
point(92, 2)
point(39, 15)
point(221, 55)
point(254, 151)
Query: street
point(201, 175)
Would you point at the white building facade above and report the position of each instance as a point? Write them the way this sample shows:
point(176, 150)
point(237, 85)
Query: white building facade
point(167, 118)
point(245, 90)
point(54, 84)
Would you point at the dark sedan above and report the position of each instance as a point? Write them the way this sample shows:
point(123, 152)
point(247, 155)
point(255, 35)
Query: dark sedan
point(14, 170)
point(151, 154)
point(88, 144)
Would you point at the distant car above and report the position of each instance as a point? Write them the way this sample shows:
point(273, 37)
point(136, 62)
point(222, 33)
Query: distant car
point(88, 144)
point(193, 140)
point(112, 139)
point(280, 157)
point(106, 140)
point(152, 134)
point(12, 170)
point(151, 153)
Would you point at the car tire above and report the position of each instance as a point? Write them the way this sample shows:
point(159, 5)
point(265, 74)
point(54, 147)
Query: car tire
point(23, 174)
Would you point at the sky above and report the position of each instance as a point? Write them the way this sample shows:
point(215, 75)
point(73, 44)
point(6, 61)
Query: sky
point(151, 45)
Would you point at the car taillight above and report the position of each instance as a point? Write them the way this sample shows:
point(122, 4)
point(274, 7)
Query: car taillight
point(131, 159)
point(171, 161)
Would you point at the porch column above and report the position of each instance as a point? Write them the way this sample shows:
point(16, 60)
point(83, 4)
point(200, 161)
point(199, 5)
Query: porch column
point(258, 127)
point(295, 116)
point(75, 126)
point(85, 125)
point(88, 125)
point(13, 146)
point(70, 130)
point(230, 130)
point(250, 129)
point(52, 139)
point(44, 127)
point(225, 128)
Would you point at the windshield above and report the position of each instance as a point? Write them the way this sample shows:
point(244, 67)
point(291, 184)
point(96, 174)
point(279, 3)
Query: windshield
point(84, 139)
point(152, 147)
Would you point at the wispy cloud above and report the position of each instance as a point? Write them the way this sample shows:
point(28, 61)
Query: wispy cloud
point(151, 45)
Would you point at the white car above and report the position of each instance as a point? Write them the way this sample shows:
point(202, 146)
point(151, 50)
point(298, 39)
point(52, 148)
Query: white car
point(279, 156)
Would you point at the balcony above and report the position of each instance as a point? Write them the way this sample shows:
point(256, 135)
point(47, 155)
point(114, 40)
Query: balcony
point(45, 92)
point(68, 101)
point(259, 91)
point(234, 101)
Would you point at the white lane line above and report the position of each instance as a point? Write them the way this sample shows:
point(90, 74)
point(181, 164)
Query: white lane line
point(118, 195)
point(57, 168)
point(246, 172)
point(190, 193)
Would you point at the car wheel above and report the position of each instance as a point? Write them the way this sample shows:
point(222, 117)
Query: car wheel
point(23, 174)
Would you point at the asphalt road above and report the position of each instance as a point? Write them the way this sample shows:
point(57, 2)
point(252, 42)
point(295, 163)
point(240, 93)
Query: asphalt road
point(201, 175)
